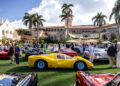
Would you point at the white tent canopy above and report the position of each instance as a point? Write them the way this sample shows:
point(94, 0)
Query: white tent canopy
point(71, 41)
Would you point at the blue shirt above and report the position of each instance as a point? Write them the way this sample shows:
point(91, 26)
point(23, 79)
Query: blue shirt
point(17, 50)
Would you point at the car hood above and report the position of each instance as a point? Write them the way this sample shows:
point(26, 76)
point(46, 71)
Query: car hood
point(13, 79)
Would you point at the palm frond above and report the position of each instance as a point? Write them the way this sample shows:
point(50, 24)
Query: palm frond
point(99, 19)
point(94, 18)
point(70, 5)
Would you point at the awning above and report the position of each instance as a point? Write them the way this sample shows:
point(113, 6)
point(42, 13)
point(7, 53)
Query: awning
point(71, 35)
point(71, 41)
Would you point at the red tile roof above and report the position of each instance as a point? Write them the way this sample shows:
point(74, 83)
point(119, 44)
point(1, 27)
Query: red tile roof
point(77, 27)
point(54, 27)
point(90, 26)
point(27, 37)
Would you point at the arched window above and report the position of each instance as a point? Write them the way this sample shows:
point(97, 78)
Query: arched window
point(10, 32)
point(6, 32)
point(3, 32)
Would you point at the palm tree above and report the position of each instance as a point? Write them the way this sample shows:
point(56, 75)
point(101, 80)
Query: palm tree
point(99, 20)
point(116, 15)
point(66, 7)
point(28, 20)
point(66, 14)
point(38, 22)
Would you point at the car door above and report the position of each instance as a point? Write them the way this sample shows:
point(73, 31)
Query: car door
point(69, 61)
point(61, 62)
point(65, 61)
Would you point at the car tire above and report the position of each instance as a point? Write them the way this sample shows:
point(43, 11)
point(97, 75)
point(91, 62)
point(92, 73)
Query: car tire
point(41, 64)
point(80, 65)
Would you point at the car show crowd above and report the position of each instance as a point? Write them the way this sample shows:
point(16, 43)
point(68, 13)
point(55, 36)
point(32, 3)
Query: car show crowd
point(36, 55)
point(91, 51)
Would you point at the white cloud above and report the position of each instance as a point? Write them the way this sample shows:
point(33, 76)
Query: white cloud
point(17, 24)
point(83, 11)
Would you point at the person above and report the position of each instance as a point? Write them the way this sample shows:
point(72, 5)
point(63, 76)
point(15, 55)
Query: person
point(56, 46)
point(59, 46)
point(52, 49)
point(17, 54)
point(83, 46)
point(72, 46)
point(118, 55)
point(44, 48)
point(91, 53)
point(46, 45)
point(111, 55)
point(34, 46)
point(11, 53)
point(1, 47)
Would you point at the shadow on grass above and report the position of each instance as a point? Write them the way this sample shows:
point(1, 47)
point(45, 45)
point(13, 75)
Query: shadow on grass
point(4, 59)
point(23, 60)
point(28, 69)
point(60, 82)
point(8, 64)
point(98, 69)
point(101, 62)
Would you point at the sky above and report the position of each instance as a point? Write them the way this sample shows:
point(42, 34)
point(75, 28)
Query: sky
point(83, 10)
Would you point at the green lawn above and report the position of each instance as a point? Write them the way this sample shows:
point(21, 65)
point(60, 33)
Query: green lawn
point(52, 77)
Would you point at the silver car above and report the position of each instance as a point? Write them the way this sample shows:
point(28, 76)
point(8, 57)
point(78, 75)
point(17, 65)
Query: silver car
point(99, 53)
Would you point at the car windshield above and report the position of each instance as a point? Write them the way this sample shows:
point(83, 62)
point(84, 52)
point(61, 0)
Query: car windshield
point(99, 50)
point(35, 49)
point(67, 50)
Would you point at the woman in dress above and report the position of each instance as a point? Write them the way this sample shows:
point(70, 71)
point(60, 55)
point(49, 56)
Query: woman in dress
point(118, 55)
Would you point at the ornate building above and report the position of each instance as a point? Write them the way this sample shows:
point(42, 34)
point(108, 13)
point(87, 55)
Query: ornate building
point(7, 31)
point(108, 32)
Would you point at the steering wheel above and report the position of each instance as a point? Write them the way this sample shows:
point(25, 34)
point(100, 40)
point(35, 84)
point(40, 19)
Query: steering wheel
point(113, 83)
point(118, 84)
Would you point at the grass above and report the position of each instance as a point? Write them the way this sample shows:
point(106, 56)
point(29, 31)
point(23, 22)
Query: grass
point(53, 77)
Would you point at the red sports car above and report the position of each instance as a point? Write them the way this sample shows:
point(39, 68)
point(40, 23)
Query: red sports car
point(98, 79)
point(68, 51)
point(4, 54)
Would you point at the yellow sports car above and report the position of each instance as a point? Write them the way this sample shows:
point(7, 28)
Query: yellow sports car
point(58, 60)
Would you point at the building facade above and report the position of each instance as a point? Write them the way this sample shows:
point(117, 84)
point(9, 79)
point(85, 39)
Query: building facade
point(7, 31)
point(108, 32)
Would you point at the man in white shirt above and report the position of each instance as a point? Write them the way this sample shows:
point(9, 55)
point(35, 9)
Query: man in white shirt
point(91, 53)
